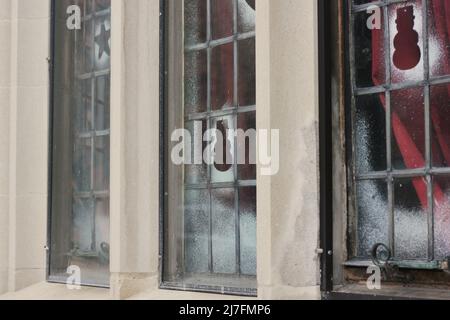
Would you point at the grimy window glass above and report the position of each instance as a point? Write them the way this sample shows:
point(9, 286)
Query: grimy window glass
point(79, 235)
point(210, 216)
point(400, 168)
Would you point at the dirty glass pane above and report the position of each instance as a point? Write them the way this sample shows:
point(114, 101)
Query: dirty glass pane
point(408, 114)
point(246, 15)
point(247, 220)
point(80, 153)
point(246, 146)
point(83, 111)
point(83, 225)
point(221, 19)
point(197, 231)
point(101, 164)
point(222, 77)
point(223, 231)
point(102, 43)
point(438, 38)
point(373, 215)
point(247, 72)
point(440, 133)
point(102, 103)
point(441, 187)
point(195, 81)
point(397, 95)
point(405, 23)
point(370, 134)
point(369, 52)
point(195, 15)
point(411, 220)
point(82, 165)
point(197, 171)
point(223, 168)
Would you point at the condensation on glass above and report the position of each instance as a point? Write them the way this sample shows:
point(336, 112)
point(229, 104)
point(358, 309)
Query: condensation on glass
point(400, 114)
point(79, 234)
point(210, 216)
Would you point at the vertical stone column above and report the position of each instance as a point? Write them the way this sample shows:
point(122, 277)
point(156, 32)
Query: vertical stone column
point(134, 146)
point(288, 203)
point(5, 89)
point(28, 142)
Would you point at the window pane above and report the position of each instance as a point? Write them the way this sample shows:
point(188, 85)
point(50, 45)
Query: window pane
point(197, 231)
point(81, 116)
point(246, 146)
point(195, 82)
point(408, 126)
point(102, 104)
point(411, 220)
point(246, 16)
point(223, 231)
point(210, 218)
point(373, 215)
point(195, 15)
point(369, 51)
point(83, 110)
point(101, 164)
point(441, 187)
point(370, 134)
point(83, 225)
point(223, 168)
point(82, 165)
point(222, 77)
point(400, 129)
point(221, 18)
point(247, 72)
point(247, 219)
point(405, 21)
point(439, 37)
point(440, 132)
point(196, 173)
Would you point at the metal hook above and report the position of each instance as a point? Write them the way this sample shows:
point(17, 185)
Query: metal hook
point(374, 254)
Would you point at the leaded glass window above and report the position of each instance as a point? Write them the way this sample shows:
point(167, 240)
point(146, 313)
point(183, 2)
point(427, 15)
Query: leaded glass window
point(400, 166)
point(79, 235)
point(210, 217)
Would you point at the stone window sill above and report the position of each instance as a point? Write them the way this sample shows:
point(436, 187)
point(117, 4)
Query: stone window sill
point(52, 291)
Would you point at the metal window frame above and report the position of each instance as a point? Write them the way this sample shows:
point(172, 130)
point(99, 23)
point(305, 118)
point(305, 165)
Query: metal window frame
point(325, 145)
point(208, 115)
point(51, 76)
point(325, 123)
point(391, 173)
point(91, 135)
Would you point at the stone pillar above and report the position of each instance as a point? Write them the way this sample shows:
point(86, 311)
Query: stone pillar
point(288, 206)
point(5, 89)
point(134, 146)
point(28, 142)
